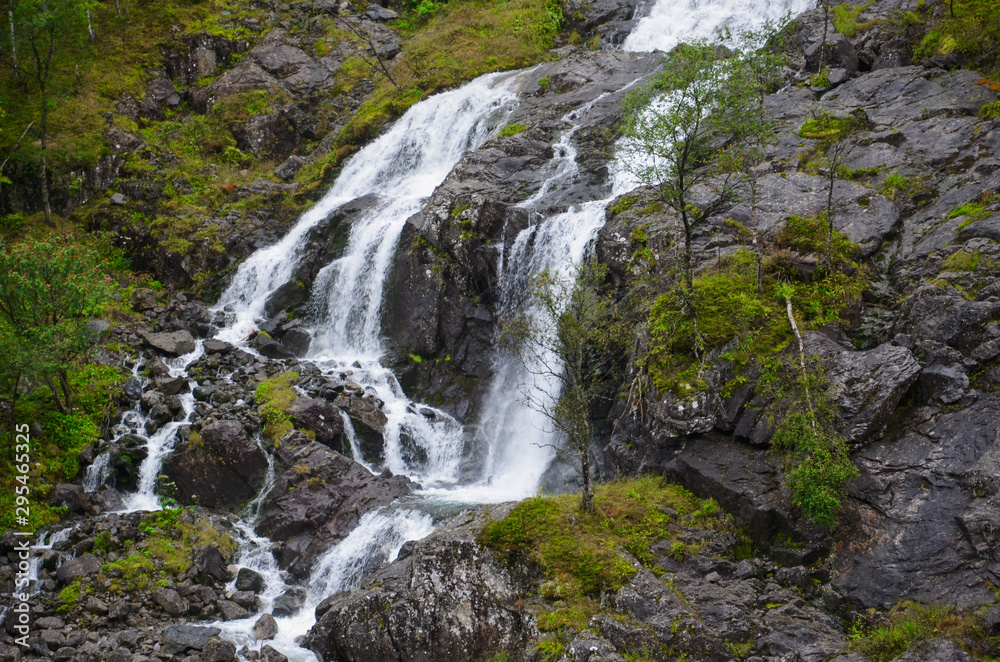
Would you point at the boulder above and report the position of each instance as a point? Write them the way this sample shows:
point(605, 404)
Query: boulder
point(297, 341)
point(319, 417)
point(249, 580)
point(219, 650)
point(72, 497)
point(170, 601)
point(174, 343)
point(285, 297)
point(269, 654)
point(84, 566)
point(221, 470)
point(208, 563)
point(320, 500)
point(866, 385)
point(181, 638)
point(449, 601)
point(289, 167)
point(289, 602)
point(270, 347)
point(265, 627)
point(231, 611)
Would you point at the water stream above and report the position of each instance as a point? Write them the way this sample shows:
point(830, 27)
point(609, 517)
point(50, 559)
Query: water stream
point(400, 170)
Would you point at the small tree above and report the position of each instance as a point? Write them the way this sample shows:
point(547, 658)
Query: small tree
point(49, 289)
point(571, 338)
point(753, 73)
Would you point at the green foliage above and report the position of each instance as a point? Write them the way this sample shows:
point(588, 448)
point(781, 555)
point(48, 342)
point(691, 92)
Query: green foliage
point(819, 463)
point(846, 18)
point(821, 79)
point(583, 554)
point(623, 204)
point(990, 111)
point(543, 83)
point(462, 40)
point(961, 260)
point(895, 183)
point(72, 593)
point(828, 128)
point(973, 30)
point(513, 130)
point(274, 397)
point(910, 622)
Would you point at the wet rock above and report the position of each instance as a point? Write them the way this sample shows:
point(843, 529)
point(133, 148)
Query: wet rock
point(208, 563)
point(285, 297)
point(271, 348)
point(289, 602)
point(318, 501)
point(84, 566)
point(213, 346)
point(866, 385)
point(231, 611)
point(286, 171)
point(224, 469)
point(265, 627)
point(269, 654)
point(246, 599)
point(171, 385)
point(71, 497)
point(297, 341)
point(132, 389)
point(449, 601)
point(746, 484)
point(249, 580)
point(319, 417)
point(174, 343)
point(181, 638)
point(170, 601)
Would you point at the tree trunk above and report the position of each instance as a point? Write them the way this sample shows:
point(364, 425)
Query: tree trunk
point(758, 249)
point(13, 46)
point(802, 360)
point(826, 26)
point(67, 394)
point(588, 490)
point(46, 207)
point(55, 395)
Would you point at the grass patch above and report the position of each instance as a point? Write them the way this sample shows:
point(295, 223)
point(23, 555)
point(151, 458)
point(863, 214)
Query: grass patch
point(973, 30)
point(513, 130)
point(274, 397)
point(846, 18)
point(912, 622)
point(583, 555)
point(961, 260)
point(459, 41)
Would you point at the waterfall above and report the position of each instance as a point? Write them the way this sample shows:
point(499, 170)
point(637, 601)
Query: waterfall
point(402, 168)
point(670, 22)
point(399, 171)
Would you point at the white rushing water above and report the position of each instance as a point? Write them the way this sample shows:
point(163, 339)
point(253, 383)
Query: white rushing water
point(402, 168)
point(162, 441)
point(670, 22)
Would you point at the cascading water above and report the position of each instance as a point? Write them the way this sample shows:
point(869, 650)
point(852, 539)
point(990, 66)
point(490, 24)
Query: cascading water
point(670, 22)
point(162, 441)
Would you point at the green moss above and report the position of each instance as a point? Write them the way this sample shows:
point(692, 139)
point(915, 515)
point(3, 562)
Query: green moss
point(827, 128)
point(583, 555)
point(846, 19)
point(961, 260)
point(623, 204)
point(513, 130)
point(912, 622)
point(274, 398)
point(990, 111)
point(543, 83)
point(973, 29)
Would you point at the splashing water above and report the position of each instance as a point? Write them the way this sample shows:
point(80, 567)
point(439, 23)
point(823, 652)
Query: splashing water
point(672, 21)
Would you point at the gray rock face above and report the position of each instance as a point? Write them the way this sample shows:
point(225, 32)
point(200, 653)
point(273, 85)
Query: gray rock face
point(866, 386)
point(223, 469)
point(449, 601)
point(320, 500)
point(174, 343)
point(289, 602)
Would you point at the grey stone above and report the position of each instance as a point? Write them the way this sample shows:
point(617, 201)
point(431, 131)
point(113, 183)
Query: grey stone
point(249, 580)
point(181, 638)
point(265, 627)
point(175, 343)
point(170, 601)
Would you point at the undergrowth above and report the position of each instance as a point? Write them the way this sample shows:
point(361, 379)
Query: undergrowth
point(585, 555)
